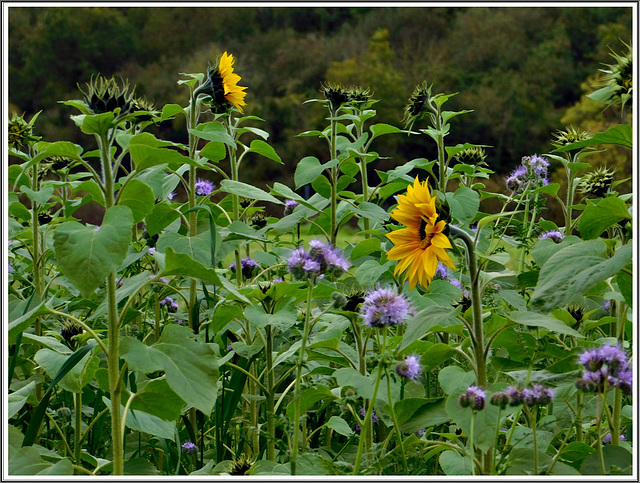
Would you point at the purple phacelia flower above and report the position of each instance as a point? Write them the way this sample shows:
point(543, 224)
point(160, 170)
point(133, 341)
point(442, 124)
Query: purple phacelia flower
point(289, 206)
point(607, 364)
point(409, 368)
point(555, 235)
point(247, 266)
point(516, 180)
point(441, 271)
point(383, 307)
point(204, 187)
point(606, 305)
point(515, 398)
point(541, 395)
point(171, 196)
point(170, 304)
point(151, 251)
point(319, 261)
point(374, 418)
point(606, 439)
point(474, 398)
point(420, 432)
point(189, 448)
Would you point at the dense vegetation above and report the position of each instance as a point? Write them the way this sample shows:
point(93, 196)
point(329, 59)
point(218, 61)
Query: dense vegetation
point(520, 69)
point(284, 275)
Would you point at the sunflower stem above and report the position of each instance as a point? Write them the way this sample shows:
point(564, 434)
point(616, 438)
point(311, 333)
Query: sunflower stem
point(296, 397)
point(334, 181)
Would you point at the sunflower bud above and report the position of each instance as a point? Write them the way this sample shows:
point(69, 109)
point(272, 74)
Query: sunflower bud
point(569, 136)
point(336, 95)
point(107, 95)
point(69, 330)
point(20, 131)
point(143, 104)
point(359, 96)
point(339, 300)
point(418, 105)
point(259, 220)
point(617, 81)
point(596, 183)
point(473, 156)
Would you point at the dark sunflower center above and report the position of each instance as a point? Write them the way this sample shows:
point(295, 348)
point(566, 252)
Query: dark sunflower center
point(425, 238)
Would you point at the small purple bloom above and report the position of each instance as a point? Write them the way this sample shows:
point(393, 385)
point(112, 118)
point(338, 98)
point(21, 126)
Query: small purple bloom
point(409, 368)
point(170, 304)
point(277, 280)
point(9, 266)
point(151, 251)
point(441, 271)
point(515, 398)
point(541, 395)
point(384, 307)
point(171, 196)
point(606, 305)
point(204, 187)
point(189, 448)
point(119, 282)
point(517, 178)
point(591, 360)
point(474, 398)
point(289, 206)
point(606, 439)
point(555, 235)
point(356, 428)
point(179, 322)
point(420, 432)
point(500, 399)
point(229, 348)
point(374, 418)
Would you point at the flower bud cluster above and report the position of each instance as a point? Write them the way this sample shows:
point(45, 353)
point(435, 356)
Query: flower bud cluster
point(536, 395)
point(533, 171)
point(409, 368)
point(474, 398)
point(170, 304)
point(605, 367)
point(321, 260)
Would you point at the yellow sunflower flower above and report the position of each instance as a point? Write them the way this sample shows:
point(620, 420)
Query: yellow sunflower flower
point(233, 93)
point(422, 244)
point(222, 87)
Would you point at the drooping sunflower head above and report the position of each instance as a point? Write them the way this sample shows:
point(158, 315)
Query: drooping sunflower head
point(143, 104)
point(222, 87)
point(569, 136)
point(422, 243)
point(418, 105)
point(359, 96)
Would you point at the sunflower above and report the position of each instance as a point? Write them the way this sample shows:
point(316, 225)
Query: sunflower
point(422, 244)
point(222, 87)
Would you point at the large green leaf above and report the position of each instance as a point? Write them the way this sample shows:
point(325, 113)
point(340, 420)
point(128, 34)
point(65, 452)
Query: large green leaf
point(572, 271)
point(191, 367)
point(157, 398)
point(160, 217)
point(27, 461)
point(464, 204)
point(600, 215)
point(146, 423)
point(248, 191)
point(309, 169)
point(145, 156)
point(16, 400)
point(418, 326)
point(621, 135)
point(197, 247)
point(87, 255)
point(308, 398)
point(260, 147)
point(77, 377)
point(534, 319)
point(138, 197)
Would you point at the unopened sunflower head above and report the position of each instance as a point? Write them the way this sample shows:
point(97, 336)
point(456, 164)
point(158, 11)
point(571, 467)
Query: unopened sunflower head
point(241, 464)
point(359, 96)
point(472, 156)
point(221, 87)
point(617, 82)
point(419, 104)
point(596, 183)
point(106, 95)
point(20, 132)
point(569, 136)
point(143, 104)
point(336, 94)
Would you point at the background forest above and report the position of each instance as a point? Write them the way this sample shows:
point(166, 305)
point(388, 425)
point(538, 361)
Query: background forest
point(524, 71)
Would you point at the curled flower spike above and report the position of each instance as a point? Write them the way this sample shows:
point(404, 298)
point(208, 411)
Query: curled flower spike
point(474, 398)
point(247, 266)
point(204, 187)
point(189, 447)
point(555, 235)
point(289, 206)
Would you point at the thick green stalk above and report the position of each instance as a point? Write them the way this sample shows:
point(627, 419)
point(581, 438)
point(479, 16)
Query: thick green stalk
point(269, 395)
point(77, 447)
point(334, 182)
point(37, 274)
point(442, 182)
point(570, 195)
point(471, 448)
point(601, 400)
point(367, 424)
point(579, 433)
point(296, 396)
point(476, 301)
point(534, 427)
point(365, 182)
point(113, 324)
point(395, 423)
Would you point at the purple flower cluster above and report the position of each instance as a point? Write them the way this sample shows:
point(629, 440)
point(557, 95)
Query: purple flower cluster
point(606, 439)
point(204, 187)
point(441, 271)
point(409, 368)
point(537, 394)
point(533, 170)
point(170, 304)
point(321, 260)
point(374, 418)
point(384, 307)
point(289, 206)
point(189, 448)
point(474, 398)
point(247, 266)
point(555, 235)
point(605, 366)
